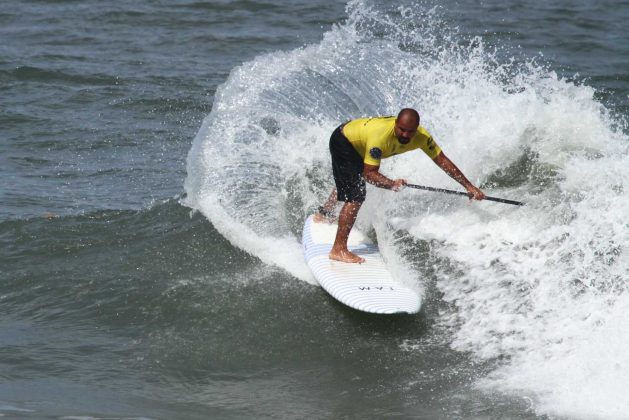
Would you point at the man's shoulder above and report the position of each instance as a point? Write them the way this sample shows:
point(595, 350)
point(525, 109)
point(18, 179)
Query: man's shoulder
point(423, 132)
point(423, 139)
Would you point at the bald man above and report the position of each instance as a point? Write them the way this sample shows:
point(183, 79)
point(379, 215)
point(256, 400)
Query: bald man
point(357, 147)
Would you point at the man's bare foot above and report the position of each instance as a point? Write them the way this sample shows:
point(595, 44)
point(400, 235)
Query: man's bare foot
point(346, 256)
point(320, 218)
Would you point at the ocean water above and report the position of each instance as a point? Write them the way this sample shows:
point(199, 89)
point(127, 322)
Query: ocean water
point(159, 158)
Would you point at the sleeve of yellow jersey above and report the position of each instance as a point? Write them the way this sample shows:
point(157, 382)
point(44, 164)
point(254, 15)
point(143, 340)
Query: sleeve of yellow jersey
point(374, 148)
point(427, 144)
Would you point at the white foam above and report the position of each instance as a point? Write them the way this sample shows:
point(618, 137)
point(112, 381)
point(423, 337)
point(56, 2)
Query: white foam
point(289, 257)
point(545, 286)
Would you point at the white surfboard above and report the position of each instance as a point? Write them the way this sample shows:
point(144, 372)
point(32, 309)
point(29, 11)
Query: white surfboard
point(368, 286)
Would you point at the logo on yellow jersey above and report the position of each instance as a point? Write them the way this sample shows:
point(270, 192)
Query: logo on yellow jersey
point(375, 153)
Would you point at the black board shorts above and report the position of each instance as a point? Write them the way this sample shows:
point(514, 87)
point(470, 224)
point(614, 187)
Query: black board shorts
point(347, 167)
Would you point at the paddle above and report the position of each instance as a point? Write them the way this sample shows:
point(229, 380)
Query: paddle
point(443, 190)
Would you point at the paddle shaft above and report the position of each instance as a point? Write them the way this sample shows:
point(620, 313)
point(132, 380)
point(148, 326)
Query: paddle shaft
point(443, 190)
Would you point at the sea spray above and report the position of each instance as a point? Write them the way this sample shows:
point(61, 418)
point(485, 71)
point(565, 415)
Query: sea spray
point(541, 289)
point(262, 156)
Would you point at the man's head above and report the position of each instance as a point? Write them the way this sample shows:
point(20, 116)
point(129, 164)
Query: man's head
point(406, 125)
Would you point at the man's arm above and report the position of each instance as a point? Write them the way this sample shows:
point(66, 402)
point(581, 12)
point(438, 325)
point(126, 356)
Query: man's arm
point(450, 168)
point(373, 176)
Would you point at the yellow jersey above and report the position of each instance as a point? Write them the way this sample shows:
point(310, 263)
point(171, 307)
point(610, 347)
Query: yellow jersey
point(374, 139)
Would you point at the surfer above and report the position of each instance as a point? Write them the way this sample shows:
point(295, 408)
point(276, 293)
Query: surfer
point(357, 147)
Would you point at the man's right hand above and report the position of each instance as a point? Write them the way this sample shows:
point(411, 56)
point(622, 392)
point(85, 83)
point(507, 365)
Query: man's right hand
point(398, 184)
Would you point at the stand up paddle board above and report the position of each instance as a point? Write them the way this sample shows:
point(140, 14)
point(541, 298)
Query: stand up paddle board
point(369, 286)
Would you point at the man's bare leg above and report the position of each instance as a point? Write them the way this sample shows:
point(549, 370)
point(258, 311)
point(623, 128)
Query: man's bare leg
point(347, 217)
point(328, 208)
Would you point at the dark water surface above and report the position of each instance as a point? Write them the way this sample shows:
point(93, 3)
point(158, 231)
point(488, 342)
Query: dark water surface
point(119, 301)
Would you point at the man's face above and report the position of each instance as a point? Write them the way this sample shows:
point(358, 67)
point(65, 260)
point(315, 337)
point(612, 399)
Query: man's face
point(405, 129)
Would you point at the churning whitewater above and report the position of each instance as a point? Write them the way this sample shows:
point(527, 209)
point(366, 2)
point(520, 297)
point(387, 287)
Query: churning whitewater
point(541, 290)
